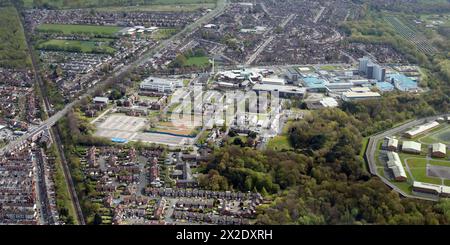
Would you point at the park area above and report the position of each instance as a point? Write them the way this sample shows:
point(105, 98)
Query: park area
point(88, 30)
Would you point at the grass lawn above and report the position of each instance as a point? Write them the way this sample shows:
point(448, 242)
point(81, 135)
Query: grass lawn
point(330, 68)
point(79, 29)
point(280, 142)
point(440, 163)
point(74, 45)
point(197, 61)
point(418, 169)
point(364, 143)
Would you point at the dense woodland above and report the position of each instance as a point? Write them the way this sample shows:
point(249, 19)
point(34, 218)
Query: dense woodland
point(13, 47)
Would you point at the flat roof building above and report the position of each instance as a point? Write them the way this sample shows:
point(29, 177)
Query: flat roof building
point(421, 129)
point(411, 147)
point(427, 188)
point(360, 93)
point(160, 85)
point(101, 100)
point(402, 82)
point(283, 90)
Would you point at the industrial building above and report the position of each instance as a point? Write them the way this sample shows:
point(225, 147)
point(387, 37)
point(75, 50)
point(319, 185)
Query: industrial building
point(395, 165)
point(421, 129)
point(403, 83)
point(411, 147)
point(284, 91)
point(160, 85)
point(361, 93)
point(439, 150)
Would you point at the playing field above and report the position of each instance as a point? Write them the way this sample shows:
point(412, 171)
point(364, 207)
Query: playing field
point(79, 29)
point(197, 61)
point(77, 46)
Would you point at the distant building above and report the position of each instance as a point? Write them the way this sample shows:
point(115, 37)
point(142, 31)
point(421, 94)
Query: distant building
point(326, 102)
point(421, 129)
point(439, 150)
point(101, 100)
point(361, 93)
point(284, 91)
point(160, 85)
point(411, 147)
point(403, 83)
point(427, 188)
point(371, 70)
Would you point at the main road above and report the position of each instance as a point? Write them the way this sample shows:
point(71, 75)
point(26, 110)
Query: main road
point(48, 123)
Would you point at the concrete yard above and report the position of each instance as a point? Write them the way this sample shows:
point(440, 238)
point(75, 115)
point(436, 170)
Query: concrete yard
point(131, 129)
point(438, 171)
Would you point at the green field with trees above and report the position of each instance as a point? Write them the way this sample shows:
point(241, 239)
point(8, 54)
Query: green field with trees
point(13, 47)
point(191, 58)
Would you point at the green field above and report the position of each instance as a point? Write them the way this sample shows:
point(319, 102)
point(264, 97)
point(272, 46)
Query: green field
point(197, 61)
point(279, 143)
point(79, 29)
point(77, 46)
point(330, 68)
point(13, 47)
point(418, 164)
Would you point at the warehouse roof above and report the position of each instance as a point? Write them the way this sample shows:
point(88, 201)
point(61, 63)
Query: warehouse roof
point(439, 147)
point(411, 145)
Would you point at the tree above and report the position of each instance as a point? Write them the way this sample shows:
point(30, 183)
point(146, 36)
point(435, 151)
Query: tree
point(97, 219)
